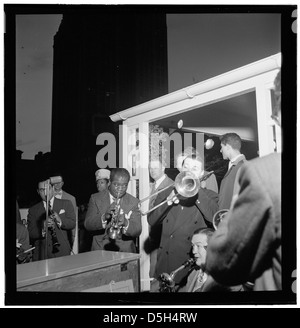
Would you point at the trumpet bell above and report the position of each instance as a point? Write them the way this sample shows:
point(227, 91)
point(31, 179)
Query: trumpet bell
point(187, 184)
point(114, 233)
point(218, 217)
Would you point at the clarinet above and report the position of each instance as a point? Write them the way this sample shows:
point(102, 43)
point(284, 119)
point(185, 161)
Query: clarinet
point(55, 243)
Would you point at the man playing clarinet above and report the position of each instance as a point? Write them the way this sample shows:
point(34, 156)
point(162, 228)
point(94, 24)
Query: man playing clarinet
point(50, 227)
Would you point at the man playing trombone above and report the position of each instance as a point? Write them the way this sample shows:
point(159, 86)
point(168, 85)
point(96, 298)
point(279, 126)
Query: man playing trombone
point(180, 217)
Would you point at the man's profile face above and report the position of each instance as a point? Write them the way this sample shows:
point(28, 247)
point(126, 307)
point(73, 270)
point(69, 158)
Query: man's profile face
point(225, 150)
point(118, 186)
point(199, 246)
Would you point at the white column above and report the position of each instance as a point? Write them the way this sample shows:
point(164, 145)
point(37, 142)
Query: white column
point(264, 122)
point(144, 191)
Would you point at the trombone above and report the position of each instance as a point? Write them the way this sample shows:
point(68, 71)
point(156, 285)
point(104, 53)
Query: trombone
point(187, 185)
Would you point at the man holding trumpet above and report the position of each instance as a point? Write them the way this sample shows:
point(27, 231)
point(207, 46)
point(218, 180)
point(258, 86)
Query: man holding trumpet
point(114, 216)
point(180, 217)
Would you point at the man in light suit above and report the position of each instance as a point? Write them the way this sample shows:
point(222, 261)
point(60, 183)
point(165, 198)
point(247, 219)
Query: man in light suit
point(102, 206)
point(62, 194)
point(180, 218)
point(161, 181)
point(247, 244)
point(61, 220)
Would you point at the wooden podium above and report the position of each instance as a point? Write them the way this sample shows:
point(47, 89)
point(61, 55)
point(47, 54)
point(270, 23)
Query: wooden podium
point(96, 271)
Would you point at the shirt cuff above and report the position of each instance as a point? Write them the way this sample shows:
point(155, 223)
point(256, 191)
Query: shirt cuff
point(103, 221)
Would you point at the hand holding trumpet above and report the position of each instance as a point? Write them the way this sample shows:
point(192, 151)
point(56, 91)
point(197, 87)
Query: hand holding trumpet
point(123, 219)
point(109, 213)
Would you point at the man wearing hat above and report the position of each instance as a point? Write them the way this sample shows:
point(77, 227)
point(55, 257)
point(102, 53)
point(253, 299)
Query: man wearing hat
point(102, 179)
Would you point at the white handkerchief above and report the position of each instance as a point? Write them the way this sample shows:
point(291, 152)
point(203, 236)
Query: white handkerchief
point(62, 211)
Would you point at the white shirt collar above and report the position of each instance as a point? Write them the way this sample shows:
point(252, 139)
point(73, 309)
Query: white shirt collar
point(111, 198)
point(51, 202)
point(235, 158)
point(59, 194)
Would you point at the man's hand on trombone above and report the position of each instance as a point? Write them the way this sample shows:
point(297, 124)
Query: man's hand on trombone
point(173, 198)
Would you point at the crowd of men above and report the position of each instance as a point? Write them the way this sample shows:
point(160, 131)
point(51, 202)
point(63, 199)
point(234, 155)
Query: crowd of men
point(244, 250)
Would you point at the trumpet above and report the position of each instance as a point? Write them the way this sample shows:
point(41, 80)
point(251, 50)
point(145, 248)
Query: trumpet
point(115, 231)
point(218, 217)
point(186, 184)
point(167, 281)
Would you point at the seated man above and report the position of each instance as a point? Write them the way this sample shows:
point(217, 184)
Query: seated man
point(61, 218)
point(198, 280)
point(115, 215)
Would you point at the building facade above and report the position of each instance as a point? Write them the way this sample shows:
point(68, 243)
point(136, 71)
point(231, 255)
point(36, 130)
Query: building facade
point(105, 60)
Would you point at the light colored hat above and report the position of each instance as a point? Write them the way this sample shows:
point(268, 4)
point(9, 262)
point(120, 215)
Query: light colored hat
point(102, 174)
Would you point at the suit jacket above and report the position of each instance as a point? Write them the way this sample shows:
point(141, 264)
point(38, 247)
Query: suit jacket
point(98, 205)
point(36, 218)
point(179, 221)
point(66, 195)
point(23, 236)
point(228, 184)
point(209, 285)
point(155, 231)
point(247, 244)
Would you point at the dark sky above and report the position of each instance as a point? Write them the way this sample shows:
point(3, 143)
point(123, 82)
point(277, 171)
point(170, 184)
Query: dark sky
point(34, 58)
point(200, 46)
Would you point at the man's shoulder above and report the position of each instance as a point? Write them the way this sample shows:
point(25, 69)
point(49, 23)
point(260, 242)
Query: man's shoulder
point(63, 201)
point(168, 181)
point(100, 194)
point(271, 160)
point(130, 198)
point(68, 196)
point(240, 160)
point(36, 206)
point(165, 183)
